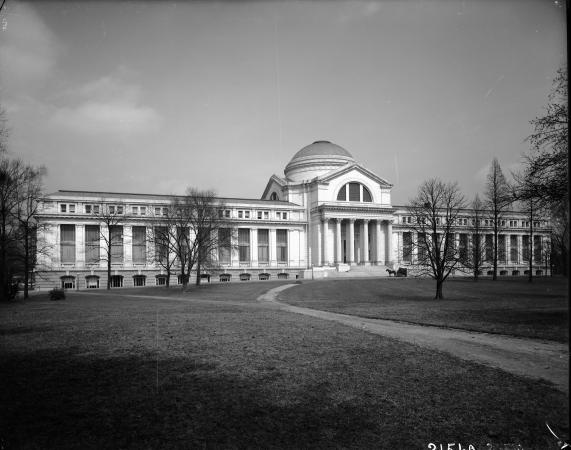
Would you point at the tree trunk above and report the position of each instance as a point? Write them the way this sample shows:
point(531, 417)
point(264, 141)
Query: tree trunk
point(26, 263)
point(438, 295)
point(198, 272)
point(109, 271)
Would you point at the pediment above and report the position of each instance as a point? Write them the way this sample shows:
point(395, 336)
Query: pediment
point(345, 170)
point(275, 183)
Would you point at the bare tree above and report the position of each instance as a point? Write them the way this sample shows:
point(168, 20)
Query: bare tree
point(162, 239)
point(435, 211)
point(476, 259)
point(498, 198)
point(109, 230)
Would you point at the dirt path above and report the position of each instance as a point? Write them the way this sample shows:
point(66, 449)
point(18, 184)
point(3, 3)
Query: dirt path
point(525, 357)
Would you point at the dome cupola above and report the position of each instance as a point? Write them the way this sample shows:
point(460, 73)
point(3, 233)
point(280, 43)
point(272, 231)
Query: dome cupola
point(316, 159)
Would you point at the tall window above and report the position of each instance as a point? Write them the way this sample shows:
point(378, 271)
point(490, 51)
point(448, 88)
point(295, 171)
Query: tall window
point(489, 247)
point(139, 245)
point(463, 247)
point(513, 248)
point(244, 244)
point(116, 240)
point(161, 244)
point(407, 247)
point(354, 192)
point(502, 248)
point(263, 246)
point(224, 245)
point(537, 249)
point(525, 247)
point(421, 247)
point(92, 249)
point(67, 243)
point(281, 245)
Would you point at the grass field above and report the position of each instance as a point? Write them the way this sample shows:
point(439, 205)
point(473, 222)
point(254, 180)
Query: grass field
point(511, 306)
point(212, 368)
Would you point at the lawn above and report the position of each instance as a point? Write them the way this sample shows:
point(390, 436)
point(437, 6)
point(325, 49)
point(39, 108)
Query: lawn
point(212, 368)
point(507, 306)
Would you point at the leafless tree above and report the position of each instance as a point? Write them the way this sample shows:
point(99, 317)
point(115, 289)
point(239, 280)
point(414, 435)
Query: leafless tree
point(435, 213)
point(109, 219)
point(498, 199)
point(161, 237)
point(476, 259)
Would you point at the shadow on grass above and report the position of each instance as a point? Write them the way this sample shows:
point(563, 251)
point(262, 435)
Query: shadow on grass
point(53, 400)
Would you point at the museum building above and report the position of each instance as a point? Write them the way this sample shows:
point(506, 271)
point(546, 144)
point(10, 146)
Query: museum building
point(327, 216)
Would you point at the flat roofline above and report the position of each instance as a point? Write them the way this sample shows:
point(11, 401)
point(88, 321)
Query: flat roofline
point(63, 192)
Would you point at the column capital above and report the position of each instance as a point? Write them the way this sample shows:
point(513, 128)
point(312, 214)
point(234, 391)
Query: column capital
point(351, 220)
point(325, 219)
point(338, 219)
point(366, 221)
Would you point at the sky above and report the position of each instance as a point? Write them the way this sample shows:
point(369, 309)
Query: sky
point(155, 97)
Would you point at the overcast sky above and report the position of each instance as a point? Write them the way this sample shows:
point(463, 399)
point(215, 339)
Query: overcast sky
point(153, 97)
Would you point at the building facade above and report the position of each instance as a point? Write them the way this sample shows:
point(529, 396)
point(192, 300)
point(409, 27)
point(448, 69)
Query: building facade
point(327, 216)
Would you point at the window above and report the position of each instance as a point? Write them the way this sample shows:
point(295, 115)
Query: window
point(354, 192)
point(92, 281)
point(67, 208)
point(119, 209)
point(489, 247)
point(244, 244)
point(91, 209)
point(68, 282)
point(116, 281)
point(407, 247)
point(263, 246)
point(243, 214)
point(179, 278)
point(274, 196)
point(281, 215)
point(139, 280)
point(111, 209)
point(407, 219)
point(161, 244)
point(92, 247)
point(525, 247)
point(263, 215)
point(139, 245)
point(157, 211)
point(67, 243)
point(116, 242)
point(513, 248)
point(88, 209)
point(281, 245)
point(143, 210)
point(422, 247)
point(513, 223)
point(161, 280)
point(463, 247)
point(224, 243)
point(537, 249)
point(135, 210)
point(502, 248)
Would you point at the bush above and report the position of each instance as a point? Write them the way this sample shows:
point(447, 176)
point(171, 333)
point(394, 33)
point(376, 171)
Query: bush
point(57, 294)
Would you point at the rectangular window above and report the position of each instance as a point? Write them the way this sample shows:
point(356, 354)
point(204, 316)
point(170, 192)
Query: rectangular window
point(72, 208)
point(281, 245)
point(63, 208)
point(354, 192)
point(135, 210)
point(525, 247)
point(240, 214)
point(111, 209)
point(513, 248)
point(157, 211)
point(463, 247)
point(88, 209)
point(119, 209)
point(244, 244)
point(139, 245)
point(259, 215)
point(451, 245)
point(143, 210)
point(422, 247)
point(67, 243)
point(489, 247)
point(116, 241)
point(537, 249)
point(407, 247)
point(502, 248)
point(263, 246)
point(161, 244)
point(92, 247)
point(224, 245)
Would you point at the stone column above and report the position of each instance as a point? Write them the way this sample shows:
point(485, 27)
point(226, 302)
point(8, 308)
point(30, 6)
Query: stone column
point(338, 255)
point(508, 248)
point(325, 246)
point(519, 248)
point(378, 240)
point(351, 256)
point(272, 248)
point(319, 246)
point(128, 245)
point(366, 241)
point(79, 246)
point(389, 245)
point(254, 246)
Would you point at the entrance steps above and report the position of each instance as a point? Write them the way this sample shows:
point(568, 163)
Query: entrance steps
point(359, 271)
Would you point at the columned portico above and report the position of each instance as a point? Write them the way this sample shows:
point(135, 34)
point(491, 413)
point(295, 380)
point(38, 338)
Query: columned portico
point(351, 243)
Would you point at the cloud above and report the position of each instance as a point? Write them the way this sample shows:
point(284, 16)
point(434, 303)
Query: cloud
point(28, 49)
point(109, 104)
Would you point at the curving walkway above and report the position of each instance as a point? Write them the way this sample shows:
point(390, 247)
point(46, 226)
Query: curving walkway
point(541, 360)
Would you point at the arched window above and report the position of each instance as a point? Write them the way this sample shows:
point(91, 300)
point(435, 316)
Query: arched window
point(354, 192)
point(274, 196)
point(92, 281)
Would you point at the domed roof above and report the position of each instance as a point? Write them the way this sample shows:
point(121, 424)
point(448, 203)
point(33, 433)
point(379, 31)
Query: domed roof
point(322, 148)
point(316, 159)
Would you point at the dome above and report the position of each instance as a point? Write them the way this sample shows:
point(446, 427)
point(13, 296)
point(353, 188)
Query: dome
point(316, 159)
